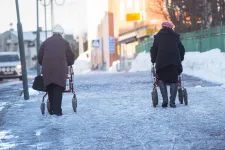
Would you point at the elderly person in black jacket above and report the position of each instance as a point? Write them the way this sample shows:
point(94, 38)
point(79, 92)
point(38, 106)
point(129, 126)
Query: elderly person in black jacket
point(167, 53)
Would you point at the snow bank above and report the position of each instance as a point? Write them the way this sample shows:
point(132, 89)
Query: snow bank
point(2, 106)
point(208, 65)
point(82, 64)
point(115, 67)
point(141, 63)
point(32, 92)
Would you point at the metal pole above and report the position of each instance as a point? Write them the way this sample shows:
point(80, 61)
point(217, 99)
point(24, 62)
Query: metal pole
point(38, 39)
point(52, 14)
point(221, 27)
point(45, 20)
point(22, 53)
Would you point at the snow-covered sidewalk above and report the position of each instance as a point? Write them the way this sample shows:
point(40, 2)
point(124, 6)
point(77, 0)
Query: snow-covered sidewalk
point(115, 112)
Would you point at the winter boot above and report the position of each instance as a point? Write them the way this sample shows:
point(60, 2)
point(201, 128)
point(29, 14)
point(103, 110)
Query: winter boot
point(173, 94)
point(163, 90)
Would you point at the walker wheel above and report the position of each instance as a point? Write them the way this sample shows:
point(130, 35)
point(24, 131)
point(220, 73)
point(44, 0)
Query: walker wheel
point(185, 96)
point(74, 103)
point(43, 108)
point(154, 97)
point(180, 95)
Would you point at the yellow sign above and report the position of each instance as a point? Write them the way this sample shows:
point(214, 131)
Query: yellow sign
point(153, 31)
point(148, 31)
point(118, 50)
point(133, 17)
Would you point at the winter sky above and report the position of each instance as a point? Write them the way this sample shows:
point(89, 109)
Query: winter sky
point(75, 16)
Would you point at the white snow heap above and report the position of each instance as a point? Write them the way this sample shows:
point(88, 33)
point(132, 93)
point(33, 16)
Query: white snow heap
point(141, 63)
point(207, 65)
point(2, 106)
point(115, 67)
point(82, 64)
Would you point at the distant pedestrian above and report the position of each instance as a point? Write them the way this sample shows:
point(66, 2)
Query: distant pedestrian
point(55, 56)
point(167, 53)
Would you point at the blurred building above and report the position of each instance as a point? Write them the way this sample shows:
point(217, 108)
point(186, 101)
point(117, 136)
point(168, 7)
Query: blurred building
point(9, 43)
point(130, 33)
point(127, 34)
point(150, 12)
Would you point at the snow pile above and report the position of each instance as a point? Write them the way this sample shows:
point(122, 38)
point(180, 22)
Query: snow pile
point(208, 65)
point(141, 63)
point(82, 64)
point(2, 105)
point(115, 67)
point(32, 92)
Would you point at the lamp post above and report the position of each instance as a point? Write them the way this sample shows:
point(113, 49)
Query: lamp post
point(45, 11)
point(38, 39)
point(22, 53)
point(45, 20)
point(52, 10)
point(52, 14)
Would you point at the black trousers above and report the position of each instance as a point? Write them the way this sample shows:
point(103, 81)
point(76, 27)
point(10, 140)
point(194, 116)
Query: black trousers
point(55, 93)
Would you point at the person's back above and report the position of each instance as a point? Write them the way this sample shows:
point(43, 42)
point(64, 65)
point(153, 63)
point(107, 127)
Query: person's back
point(167, 53)
point(55, 49)
point(168, 48)
point(55, 56)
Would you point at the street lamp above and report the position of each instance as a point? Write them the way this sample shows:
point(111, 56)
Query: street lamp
point(45, 5)
point(22, 53)
point(52, 10)
point(38, 39)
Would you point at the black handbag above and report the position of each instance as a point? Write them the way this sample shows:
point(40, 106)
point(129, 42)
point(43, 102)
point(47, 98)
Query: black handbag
point(38, 84)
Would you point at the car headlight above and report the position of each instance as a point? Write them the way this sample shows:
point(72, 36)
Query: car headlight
point(18, 67)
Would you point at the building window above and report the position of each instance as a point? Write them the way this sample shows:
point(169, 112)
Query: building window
point(137, 5)
point(129, 3)
point(122, 11)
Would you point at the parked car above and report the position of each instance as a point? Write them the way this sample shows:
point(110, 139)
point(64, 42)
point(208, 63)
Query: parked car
point(10, 66)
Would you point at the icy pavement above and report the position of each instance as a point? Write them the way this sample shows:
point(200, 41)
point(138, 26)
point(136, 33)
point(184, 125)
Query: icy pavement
point(115, 112)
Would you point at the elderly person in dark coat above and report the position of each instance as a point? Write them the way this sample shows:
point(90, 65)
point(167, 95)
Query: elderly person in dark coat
point(168, 53)
point(55, 56)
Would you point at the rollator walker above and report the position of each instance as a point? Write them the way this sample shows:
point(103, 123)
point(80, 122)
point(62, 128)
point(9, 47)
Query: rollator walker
point(69, 88)
point(182, 92)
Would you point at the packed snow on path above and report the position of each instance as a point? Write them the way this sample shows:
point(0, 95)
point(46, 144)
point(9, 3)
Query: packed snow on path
point(207, 65)
point(115, 112)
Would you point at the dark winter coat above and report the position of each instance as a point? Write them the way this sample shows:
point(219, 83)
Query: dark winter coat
point(55, 56)
point(167, 49)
